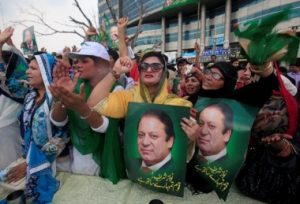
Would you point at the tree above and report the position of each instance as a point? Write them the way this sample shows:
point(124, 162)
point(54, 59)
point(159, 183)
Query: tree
point(78, 27)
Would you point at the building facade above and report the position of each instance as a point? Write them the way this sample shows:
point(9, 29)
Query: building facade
point(210, 23)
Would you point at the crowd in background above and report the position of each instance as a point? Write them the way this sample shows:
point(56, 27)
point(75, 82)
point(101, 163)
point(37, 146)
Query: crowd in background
point(57, 110)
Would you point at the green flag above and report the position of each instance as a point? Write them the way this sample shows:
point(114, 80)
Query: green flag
point(174, 4)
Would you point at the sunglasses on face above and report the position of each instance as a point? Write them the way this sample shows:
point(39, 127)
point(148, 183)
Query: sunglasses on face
point(155, 67)
point(214, 75)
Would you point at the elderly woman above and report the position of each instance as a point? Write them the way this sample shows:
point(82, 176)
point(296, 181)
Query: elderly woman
point(43, 142)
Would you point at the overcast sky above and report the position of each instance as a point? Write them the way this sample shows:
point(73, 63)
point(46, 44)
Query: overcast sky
point(54, 11)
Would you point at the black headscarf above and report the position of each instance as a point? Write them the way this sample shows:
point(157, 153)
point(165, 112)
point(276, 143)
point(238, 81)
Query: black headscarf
point(230, 77)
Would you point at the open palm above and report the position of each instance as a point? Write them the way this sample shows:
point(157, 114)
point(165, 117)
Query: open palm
point(6, 34)
point(61, 77)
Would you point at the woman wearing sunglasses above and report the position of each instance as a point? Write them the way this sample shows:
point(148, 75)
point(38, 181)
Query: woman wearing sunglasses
point(152, 87)
point(218, 81)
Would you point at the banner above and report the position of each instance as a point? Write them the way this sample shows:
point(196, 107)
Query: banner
point(156, 147)
point(29, 45)
point(108, 34)
point(175, 4)
point(222, 141)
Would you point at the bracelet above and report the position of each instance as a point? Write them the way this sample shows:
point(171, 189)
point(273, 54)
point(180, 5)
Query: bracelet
point(62, 106)
point(87, 116)
point(115, 74)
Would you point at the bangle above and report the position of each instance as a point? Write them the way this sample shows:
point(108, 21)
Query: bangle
point(87, 116)
point(115, 74)
point(62, 106)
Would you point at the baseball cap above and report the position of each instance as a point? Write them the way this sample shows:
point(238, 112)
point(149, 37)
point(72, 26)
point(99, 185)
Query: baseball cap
point(91, 49)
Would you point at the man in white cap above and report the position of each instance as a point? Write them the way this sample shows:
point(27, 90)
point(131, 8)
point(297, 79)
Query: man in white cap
point(85, 127)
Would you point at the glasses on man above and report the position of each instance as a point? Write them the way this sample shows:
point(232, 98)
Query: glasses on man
point(214, 75)
point(155, 67)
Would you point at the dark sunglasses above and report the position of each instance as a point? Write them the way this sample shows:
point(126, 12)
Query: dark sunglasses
point(155, 67)
point(214, 75)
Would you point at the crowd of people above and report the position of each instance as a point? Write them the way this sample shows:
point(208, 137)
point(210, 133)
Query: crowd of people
point(64, 113)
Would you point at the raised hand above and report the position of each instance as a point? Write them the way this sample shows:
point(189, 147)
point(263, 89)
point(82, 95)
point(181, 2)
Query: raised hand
point(10, 42)
point(43, 49)
point(123, 65)
point(197, 48)
point(122, 22)
point(6, 35)
point(69, 99)
point(74, 48)
point(61, 77)
point(66, 50)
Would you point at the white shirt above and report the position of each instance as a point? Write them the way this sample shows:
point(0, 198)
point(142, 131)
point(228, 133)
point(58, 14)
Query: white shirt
point(9, 111)
point(212, 158)
point(160, 164)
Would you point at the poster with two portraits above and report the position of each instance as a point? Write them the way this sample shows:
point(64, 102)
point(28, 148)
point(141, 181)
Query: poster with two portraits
point(156, 146)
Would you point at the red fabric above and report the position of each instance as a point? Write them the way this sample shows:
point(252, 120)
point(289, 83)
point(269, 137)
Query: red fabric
point(134, 73)
point(291, 104)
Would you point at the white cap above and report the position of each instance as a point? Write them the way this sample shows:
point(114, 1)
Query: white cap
point(91, 49)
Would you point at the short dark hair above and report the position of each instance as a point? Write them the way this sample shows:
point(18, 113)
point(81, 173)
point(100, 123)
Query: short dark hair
point(113, 53)
point(296, 63)
point(163, 117)
point(227, 112)
point(233, 59)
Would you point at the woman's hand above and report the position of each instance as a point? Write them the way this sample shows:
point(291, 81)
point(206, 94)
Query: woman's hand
point(69, 99)
point(61, 77)
point(16, 173)
point(197, 48)
point(122, 22)
point(123, 65)
point(190, 127)
point(277, 140)
point(6, 35)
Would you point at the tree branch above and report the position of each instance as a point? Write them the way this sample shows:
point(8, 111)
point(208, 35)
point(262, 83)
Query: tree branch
point(112, 12)
point(78, 22)
point(156, 45)
point(86, 18)
point(68, 25)
point(142, 11)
